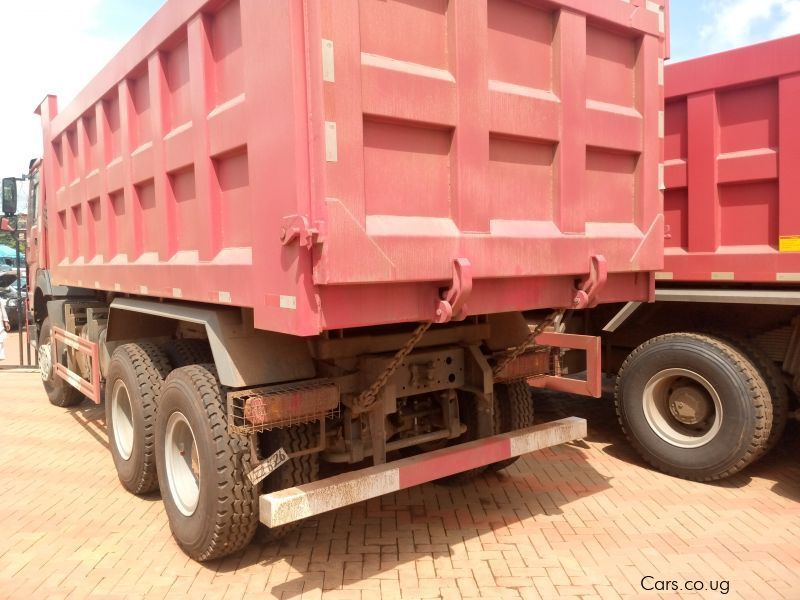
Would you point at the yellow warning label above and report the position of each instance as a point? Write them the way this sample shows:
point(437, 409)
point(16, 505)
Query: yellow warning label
point(789, 243)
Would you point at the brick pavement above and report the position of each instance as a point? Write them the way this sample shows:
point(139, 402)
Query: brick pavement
point(579, 521)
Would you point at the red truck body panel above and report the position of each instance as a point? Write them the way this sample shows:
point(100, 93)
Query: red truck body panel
point(732, 166)
point(391, 136)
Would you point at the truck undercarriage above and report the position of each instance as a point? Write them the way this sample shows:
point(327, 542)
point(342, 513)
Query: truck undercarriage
point(440, 402)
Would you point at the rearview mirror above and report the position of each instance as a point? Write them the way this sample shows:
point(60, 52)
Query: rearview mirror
point(9, 196)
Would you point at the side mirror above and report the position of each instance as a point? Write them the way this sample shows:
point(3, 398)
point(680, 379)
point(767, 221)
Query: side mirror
point(9, 196)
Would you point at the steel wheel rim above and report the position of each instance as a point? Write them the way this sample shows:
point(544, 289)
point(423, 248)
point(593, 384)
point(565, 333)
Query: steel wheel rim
point(182, 464)
point(45, 361)
point(682, 408)
point(122, 419)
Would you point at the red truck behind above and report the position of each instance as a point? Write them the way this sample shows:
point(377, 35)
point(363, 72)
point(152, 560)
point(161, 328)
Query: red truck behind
point(707, 389)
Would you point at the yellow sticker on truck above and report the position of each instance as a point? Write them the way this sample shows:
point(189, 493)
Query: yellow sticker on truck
point(789, 243)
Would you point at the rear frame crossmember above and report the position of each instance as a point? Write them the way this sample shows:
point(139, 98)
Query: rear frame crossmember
point(296, 503)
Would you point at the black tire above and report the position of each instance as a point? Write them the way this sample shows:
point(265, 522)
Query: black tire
point(225, 516)
point(694, 451)
point(182, 353)
point(59, 392)
point(513, 409)
point(297, 471)
point(468, 412)
point(136, 374)
point(778, 391)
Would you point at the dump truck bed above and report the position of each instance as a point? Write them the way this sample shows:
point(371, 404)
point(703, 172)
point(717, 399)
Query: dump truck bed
point(326, 163)
point(732, 170)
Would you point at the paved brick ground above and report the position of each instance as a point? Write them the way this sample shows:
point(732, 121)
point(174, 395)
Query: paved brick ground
point(584, 520)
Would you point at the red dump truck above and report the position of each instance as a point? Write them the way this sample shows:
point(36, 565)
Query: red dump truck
point(707, 389)
point(276, 234)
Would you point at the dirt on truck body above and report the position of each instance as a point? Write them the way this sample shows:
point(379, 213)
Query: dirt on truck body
point(274, 234)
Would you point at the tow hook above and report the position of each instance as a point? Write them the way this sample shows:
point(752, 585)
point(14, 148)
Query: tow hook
point(452, 306)
point(586, 293)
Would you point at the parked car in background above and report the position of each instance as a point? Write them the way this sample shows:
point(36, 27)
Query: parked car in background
point(14, 296)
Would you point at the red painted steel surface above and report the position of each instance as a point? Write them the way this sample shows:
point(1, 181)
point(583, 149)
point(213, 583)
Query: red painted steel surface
point(732, 171)
point(593, 385)
point(90, 389)
point(326, 162)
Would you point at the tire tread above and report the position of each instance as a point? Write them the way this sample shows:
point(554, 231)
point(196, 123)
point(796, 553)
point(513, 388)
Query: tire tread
point(296, 471)
point(150, 368)
point(235, 512)
point(758, 392)
point(59, 392)
point(185, 352)
point(772, 375)
point(513, 409)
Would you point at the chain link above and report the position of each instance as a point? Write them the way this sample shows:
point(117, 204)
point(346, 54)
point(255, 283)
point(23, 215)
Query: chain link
point(368, 397)
point(364, 401)
point(529, 342)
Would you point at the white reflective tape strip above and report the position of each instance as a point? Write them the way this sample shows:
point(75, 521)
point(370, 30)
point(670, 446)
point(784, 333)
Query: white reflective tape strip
point(70, 342)
point(71, 378)
point(117, 287)
point(142, 289)
point(177, 292)
point(653, 6)
point(549, 434)
point(787, 276)
point(331, 150)
point(97, 284)
point(722, 275)
point(293, 504)
point(308, 499)
point(662, 185)
point(224, 297)
point(80, 282)
point(328, 72)
point(289, 302)
point(663, 275)
point(661, 71)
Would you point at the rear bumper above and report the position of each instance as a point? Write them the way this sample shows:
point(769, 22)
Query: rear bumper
point(293, 504)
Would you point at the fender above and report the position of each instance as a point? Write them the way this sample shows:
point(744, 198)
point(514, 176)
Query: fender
point(49, 290)
point(55, 311)
point(244, 356)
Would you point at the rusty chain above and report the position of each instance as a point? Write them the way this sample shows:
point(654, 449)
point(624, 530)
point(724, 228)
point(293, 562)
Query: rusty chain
point(364, 401)
point(529, 342)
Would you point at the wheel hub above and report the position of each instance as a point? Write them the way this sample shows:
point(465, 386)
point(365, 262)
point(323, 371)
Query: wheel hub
point(122, 419)
point(45, 361)
point(182, 463)
point(689, 405)
point(682, 407)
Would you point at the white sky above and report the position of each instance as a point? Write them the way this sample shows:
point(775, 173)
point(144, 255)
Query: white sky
point(54, 46)
point(57, 46)
point(706, 26)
